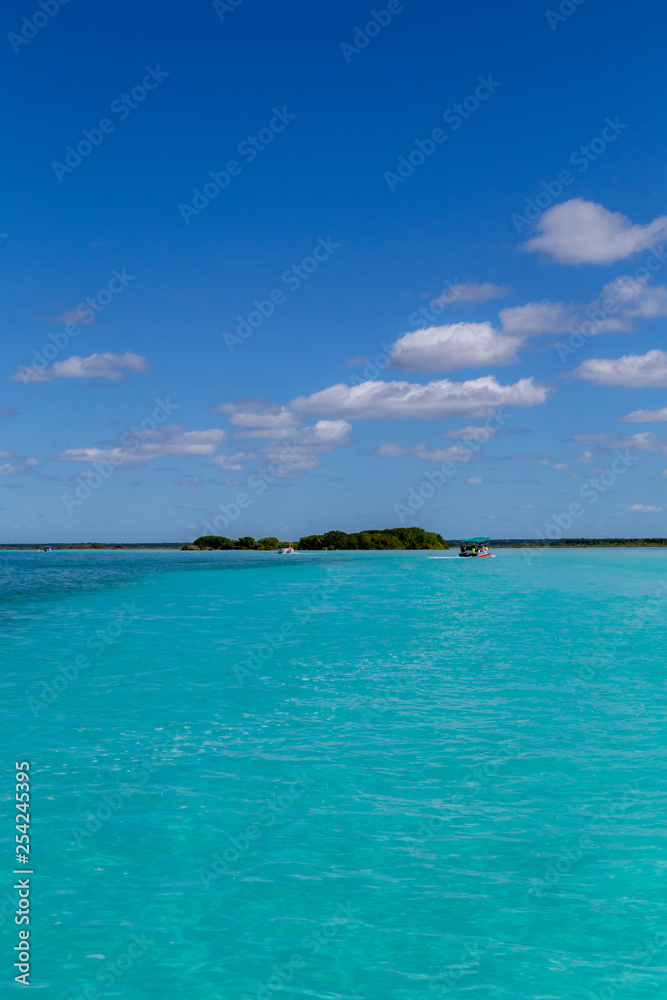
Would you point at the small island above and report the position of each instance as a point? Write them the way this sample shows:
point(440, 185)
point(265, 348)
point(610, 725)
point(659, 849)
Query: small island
point(372, 539)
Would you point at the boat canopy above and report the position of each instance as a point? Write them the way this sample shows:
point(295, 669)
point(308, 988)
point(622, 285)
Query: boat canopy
point(466, 541)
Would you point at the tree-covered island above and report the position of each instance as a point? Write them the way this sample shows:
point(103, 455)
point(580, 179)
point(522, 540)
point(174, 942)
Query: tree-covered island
point(375, 538)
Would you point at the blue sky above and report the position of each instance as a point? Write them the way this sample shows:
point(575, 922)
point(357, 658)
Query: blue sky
point(219, 226)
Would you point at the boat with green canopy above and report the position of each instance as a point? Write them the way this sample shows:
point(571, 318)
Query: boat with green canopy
point(474, 547)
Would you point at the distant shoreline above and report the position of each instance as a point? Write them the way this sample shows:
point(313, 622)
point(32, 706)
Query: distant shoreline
point(499, 543)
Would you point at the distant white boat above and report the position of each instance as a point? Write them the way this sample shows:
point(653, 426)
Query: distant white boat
point(286, 548)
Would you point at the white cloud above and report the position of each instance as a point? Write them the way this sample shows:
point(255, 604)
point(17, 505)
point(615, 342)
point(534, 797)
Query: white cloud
point(632, 370)
point(537, 317)
point(392, 450)
point(583, 232)
point(391, 400)
point(635, 297)
point(172, 439)
point(107, 365)
point(620, 302)
point(325, 435)
point(475, 480)
point(644, 441)
point(473, 345)
point(457, 345)
point(231, 463)
point(454, 453)
point(73, 315)
point(645, 416)
point(17, 465)
point(305, 446)
point(472, 432)
point(642, 508)
point(257, 415)
point(471, 291)
point(268, 434)
point(291, 452)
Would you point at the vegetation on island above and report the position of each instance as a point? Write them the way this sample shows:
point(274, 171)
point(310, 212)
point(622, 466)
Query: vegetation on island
point(375, 538)
point(380, 538)
point(244, 544)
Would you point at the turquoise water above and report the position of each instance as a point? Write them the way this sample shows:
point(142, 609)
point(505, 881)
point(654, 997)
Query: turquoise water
point(360, 776)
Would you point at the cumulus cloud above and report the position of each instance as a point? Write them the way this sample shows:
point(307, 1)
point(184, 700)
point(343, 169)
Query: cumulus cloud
point(231, 463)
point(454, 453)
point(471, 291)
point(619, 305)
point(635, 371)
point(537, 317)
point(259, 418)
point(643, 508)
point(456, 345)
point(303, 450)
point(583, 232)
point(17, 465)
point(644, 441)
point(143, 446)
point(392, 450)
point(376, 400)
point(290, 453)
point(252, 412)
point(473, 432)
point(286, 444)
point(475, 480)
point(106, 366)
point(325, 435)
point(645, 416)
point(635, 297)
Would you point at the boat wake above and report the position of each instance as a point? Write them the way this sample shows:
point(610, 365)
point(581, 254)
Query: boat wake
point(492, 555)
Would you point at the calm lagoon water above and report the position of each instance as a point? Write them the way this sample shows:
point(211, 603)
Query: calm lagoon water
point(351, 776)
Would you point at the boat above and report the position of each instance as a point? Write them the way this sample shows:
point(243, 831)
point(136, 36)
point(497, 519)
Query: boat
point(286, 548)
point(474, 547)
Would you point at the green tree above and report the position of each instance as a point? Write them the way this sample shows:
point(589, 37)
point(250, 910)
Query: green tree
point(377, 538)
point(268, 543)
point(212, 542)
point(246, 542)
